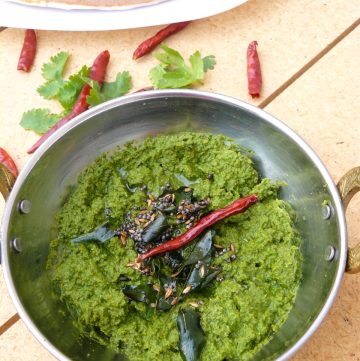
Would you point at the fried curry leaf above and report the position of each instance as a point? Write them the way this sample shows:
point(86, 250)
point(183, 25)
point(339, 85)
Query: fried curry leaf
point(200, 258)
point(210, 277)
point(198, 274)
point(155, 229)
point(191, 335)
point(140, 293)
point(123, 175)
point(201, 249)
point(181, 194)
point(165, 300)
point(100, 234)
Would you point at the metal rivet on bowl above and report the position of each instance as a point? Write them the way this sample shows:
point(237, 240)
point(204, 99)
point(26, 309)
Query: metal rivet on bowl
point(16, 244)
point(24, 206)
point(326, 211)
point(330, 253)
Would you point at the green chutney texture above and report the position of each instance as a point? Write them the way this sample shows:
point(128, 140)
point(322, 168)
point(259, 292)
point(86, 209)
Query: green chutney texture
point(240, 314)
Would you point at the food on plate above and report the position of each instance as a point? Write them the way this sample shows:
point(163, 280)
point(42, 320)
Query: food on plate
point(149, 44)
point(221, 296)
point(89, 3)
point(28, 51)
point(253, 70)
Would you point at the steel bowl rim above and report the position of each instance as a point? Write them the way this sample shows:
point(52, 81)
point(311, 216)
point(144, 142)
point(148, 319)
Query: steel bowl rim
point(201, 95)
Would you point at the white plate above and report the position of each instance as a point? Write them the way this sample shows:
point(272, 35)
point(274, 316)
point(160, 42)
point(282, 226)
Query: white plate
point(47, 18)
point(64, 6)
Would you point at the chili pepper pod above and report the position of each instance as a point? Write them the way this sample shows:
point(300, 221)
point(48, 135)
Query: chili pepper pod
point(28, 51)
point(8, 162)
point(149, 44)
point(253, 70)
point(97, 73)
point(239, 206)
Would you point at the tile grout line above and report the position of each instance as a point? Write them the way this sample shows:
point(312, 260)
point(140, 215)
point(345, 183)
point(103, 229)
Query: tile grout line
point(9, 323)
point(308, 65)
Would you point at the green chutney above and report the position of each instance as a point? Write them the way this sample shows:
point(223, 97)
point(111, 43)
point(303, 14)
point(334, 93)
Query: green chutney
point(240, 314)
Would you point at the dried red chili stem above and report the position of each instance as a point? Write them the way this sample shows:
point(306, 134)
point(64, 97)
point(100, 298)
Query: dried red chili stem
point(207, 221)
point(97, 72)
point(8, 162)
point(28, 51)
point(149, 44)
point(253, 70)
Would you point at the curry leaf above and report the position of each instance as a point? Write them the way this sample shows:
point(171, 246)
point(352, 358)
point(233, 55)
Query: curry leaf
point(181, 195)
point(210, 277)
point(100, 234)
point(200, 258)
point(201, 249)
point(140, 293)
point(123, 175)
point(155, 229)
point(192, 337)
point(165, 303)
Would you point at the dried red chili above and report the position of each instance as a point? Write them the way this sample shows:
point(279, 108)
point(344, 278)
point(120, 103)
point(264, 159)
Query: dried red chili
point(253, 70)
point(236, 207)
point(8, 162)
point(149, 44)
point(28, 51)
point(97, 73)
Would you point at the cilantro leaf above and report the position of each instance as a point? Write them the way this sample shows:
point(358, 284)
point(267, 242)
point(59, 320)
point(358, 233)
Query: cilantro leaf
point(209, 62)
point(95, 96)
point(197, 65)
point(50, 89)
point(52, 72)
point(55, 69)
point(71, 89)
point(119, 87)
point(174, 73)
point(39, 120)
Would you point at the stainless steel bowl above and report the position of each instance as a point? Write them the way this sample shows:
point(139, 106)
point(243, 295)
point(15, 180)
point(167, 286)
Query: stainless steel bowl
point(280, 154)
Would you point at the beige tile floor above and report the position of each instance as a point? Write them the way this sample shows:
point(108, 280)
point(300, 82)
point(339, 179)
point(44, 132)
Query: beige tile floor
point(321, 105)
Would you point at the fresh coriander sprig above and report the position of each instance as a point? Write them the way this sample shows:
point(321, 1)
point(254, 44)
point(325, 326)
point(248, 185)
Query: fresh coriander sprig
point(173, 72)
point(119, 87)
point(66, 92)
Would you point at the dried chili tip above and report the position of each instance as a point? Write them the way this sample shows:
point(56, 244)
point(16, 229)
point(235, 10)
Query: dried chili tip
point(253, 70)
point(8, 162)
point(144, 89)
point(149, 44)
point(28, 51)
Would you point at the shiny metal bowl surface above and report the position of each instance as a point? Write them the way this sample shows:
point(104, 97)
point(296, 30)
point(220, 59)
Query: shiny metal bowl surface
point(280, 154)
